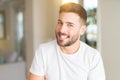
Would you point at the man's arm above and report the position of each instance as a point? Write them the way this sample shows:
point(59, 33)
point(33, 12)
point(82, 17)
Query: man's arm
point(37, 67)
point(36, 77)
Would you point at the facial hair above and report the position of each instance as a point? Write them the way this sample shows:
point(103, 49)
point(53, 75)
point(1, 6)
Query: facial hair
point(71, 40)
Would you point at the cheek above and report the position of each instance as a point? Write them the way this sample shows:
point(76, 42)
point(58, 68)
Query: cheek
point(56, 29)
point(75, 33)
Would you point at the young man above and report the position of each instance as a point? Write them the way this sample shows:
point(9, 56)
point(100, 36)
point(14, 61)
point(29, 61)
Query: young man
point(68, 58)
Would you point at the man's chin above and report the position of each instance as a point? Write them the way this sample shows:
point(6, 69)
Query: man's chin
point(63, 44)
point(60, 43)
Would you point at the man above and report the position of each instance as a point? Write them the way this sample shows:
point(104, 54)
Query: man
point(68, 58)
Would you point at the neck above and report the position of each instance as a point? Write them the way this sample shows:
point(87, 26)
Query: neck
point(71, 49)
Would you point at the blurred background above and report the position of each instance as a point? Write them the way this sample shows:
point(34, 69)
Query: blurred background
point(24, 24)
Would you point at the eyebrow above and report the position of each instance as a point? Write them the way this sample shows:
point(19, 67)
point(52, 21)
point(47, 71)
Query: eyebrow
point(67, 22)
point(59, 20)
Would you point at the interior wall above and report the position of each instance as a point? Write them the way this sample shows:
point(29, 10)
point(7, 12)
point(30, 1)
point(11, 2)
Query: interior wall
point(109, 22)
point(29, 32)
point(40, 21)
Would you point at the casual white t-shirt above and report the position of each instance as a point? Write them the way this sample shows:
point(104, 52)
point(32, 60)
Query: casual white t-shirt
point(51, 62)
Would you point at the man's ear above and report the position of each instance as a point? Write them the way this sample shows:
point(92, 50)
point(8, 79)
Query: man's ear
point(82, 29)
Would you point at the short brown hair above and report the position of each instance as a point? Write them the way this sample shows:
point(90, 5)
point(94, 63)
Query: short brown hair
point(75, 8)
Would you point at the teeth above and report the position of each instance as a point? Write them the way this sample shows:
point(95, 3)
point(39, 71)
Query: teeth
point(63, 37)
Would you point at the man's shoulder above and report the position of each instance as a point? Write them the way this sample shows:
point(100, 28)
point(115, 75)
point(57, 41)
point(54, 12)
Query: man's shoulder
point(88, 49)
point(92, 54)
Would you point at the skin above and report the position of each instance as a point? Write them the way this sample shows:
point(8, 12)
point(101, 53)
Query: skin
point(68, 31)
point(35, 77)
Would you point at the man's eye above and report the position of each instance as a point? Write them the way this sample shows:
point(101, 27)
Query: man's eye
point(59, 22)
point(69, 25)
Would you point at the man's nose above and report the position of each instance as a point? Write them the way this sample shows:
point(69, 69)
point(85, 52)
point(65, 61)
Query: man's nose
point(63, 29)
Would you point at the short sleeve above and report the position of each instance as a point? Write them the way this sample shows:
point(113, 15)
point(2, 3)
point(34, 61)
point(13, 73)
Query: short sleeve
point(37, 66)
point(97, 69)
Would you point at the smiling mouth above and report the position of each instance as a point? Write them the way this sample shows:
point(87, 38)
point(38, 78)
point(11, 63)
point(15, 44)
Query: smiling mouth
point(62, 36)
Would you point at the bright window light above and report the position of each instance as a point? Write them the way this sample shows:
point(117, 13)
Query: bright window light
point(66, 1)
point(90, 4)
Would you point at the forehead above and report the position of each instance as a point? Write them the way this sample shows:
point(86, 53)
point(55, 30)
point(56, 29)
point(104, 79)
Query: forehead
point(69, 16)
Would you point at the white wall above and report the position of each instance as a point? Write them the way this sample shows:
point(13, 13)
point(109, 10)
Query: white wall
point(40, 21)
point(109, 22)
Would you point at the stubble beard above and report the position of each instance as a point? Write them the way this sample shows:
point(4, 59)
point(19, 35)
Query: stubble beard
point(68, 43)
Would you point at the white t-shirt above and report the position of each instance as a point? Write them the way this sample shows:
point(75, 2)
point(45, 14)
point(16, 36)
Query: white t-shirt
point(51, 62)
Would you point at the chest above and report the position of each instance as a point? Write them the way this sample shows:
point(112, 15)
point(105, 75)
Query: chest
point(67, 68)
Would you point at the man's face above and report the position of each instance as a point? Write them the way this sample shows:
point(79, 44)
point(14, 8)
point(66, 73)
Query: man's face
point(68, 29)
